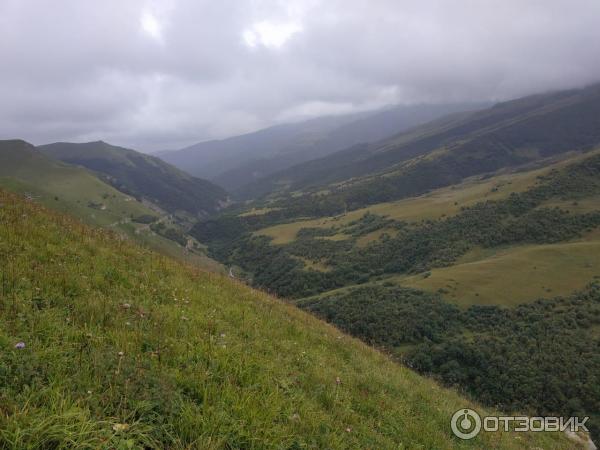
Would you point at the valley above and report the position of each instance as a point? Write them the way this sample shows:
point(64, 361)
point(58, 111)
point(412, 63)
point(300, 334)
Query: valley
point(447, 258)
point(440, 276)
point(300, 225)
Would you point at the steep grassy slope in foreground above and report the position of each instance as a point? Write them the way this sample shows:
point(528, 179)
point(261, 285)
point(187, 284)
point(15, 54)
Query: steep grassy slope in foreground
point(128, 349)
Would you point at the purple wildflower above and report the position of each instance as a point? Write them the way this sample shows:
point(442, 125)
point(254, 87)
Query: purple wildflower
point(20, 345)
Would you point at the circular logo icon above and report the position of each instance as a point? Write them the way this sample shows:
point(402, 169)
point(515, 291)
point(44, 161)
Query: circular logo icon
point(466, 424)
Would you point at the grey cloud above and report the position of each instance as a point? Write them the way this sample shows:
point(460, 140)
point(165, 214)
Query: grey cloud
point(74, 70)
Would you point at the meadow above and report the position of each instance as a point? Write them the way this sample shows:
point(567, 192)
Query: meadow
point(104, 344)
point(438, 203)
point(514, 275)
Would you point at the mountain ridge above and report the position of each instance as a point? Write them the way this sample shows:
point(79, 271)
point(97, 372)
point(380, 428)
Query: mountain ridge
point(510, 133)
point(142, 176)
point(77, 191)
point(239, 160)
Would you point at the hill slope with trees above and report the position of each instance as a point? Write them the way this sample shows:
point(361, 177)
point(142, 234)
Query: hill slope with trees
point(446, 151)
point(142, 176)
point(240, 160)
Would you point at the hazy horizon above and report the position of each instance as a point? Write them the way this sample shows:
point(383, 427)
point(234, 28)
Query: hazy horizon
point(160, 75)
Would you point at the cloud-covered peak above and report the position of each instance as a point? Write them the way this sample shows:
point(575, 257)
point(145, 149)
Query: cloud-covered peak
point(163, 74)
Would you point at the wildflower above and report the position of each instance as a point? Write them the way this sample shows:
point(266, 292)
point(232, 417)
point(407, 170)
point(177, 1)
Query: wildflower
point(20, 345)
point(128, 323)
point(121, 353)
point(348, 430)
point(89, 392)
point(120, 427)
point(338, 381)
point(295, 417)
point(126, 305)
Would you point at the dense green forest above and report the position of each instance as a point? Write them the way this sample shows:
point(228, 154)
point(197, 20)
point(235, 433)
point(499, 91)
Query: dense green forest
point(519, 219)
point(541, 357)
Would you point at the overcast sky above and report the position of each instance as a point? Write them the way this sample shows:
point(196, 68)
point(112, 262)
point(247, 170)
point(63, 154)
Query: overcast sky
point(163, 74)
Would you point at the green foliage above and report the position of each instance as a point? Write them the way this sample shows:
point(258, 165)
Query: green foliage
point(142, 176)
point(518, 219)
point(145, 219)
point(169, 233)
point(541, 358)
point(127, 349)
point(387, 316)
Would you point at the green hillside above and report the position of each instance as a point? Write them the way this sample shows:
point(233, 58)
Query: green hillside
point(549, 205)
point(495, 262)
point(515, 275)
point(440, 154)
point(78, 192)
point(142, 176)
point(236, 161)
point(124, 348)
point(63, 187)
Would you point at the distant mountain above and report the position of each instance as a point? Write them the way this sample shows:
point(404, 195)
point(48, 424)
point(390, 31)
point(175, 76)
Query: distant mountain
point(82, 193)
point(63, 187)
point(142, 176)
point(252, 155)
point(20, 158)
point(237, 161)
point(449, 149)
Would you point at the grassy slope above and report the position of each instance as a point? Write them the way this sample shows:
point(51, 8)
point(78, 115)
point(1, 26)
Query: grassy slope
point(205, 363)
point(509, 276)
point(445, 201)
point(27, 171)
point(71, 190)
point(142, 176)
point(440, 154)
point(516, 275)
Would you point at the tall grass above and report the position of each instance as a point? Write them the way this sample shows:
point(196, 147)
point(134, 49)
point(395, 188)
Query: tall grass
point(127, 349)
